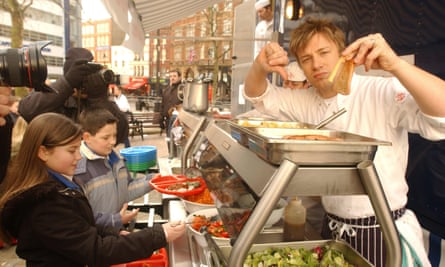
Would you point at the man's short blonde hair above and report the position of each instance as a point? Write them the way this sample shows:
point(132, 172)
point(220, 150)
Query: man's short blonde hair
point(302, 34)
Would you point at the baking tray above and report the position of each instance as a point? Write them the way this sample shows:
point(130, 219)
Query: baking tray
point(270, 143)
point(351, 255)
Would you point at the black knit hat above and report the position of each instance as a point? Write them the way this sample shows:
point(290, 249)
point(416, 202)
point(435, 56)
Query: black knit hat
point(74, 54)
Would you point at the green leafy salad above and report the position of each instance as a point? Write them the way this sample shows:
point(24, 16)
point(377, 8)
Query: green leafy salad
point(290, 257)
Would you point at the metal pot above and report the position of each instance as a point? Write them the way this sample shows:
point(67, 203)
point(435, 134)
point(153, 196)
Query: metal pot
point(194, 95)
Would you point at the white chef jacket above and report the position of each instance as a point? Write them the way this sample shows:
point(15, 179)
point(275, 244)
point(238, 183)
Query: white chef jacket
point(122, 102)
point(377, 107)
point(263, 30)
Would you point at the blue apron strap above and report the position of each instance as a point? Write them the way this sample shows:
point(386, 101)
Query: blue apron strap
point(415, 258)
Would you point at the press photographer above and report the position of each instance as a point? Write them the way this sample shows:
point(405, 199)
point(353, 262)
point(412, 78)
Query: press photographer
point(83, 84)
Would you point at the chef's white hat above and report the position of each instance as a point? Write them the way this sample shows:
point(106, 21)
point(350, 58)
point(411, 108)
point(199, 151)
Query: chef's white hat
point(295, 73)
point(261, 3)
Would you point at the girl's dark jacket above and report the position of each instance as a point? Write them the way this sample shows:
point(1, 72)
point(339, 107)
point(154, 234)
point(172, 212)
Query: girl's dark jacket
point(55, 226)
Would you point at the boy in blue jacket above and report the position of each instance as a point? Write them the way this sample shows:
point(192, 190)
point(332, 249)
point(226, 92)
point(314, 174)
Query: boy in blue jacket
point(102, 174)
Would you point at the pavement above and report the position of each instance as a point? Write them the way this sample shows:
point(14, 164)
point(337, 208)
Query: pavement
point(8, 258)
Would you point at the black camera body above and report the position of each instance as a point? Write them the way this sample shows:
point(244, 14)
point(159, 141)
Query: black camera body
point(105, 74)
point(96, 84)
point(24, 66)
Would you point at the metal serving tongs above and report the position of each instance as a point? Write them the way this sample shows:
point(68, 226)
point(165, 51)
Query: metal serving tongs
point(329, 119)
point(214, 247)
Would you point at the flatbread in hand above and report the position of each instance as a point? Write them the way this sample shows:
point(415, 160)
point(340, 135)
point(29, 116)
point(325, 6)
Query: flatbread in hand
point(341, 76)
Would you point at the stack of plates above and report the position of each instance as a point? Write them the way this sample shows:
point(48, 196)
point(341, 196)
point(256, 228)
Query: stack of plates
point(139, 158)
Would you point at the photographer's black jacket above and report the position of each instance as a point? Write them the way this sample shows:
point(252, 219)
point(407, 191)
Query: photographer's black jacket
point(426, 179)
point(63, 102)
point(5, 145)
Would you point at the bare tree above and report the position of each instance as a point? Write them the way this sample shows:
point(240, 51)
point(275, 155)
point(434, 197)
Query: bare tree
point(17, 11)
point(212, 15)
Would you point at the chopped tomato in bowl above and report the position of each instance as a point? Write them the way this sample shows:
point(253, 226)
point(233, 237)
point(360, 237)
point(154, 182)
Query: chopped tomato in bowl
point(211, 220)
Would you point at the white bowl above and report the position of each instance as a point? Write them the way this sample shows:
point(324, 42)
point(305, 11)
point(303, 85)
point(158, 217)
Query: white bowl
point(199, 237)
point(276, 213)
point(191, 207)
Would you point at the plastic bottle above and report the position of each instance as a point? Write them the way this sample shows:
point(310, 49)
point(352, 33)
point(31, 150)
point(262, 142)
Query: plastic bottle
point(294, 220)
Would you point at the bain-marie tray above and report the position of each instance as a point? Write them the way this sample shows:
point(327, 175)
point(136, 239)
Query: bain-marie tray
point(302, 143)
point(350, 254)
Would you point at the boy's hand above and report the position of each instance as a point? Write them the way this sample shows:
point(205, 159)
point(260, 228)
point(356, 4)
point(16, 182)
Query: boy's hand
point(128, 216)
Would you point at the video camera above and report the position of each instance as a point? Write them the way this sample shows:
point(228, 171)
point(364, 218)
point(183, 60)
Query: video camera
point(24, 66)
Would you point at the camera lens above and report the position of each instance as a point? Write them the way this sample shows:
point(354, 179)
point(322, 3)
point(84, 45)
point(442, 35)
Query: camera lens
point(25, 66)
point(107, 76)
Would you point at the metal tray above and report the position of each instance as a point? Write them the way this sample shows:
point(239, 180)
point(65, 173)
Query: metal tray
point(351, 255)
point(270, 143)
point(259, 123)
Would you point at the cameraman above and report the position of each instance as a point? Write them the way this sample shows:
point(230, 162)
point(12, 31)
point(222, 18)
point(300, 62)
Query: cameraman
point(80, 87)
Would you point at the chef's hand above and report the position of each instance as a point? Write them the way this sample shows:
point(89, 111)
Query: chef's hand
point(373, 52)
point(173, 230)
point(128, 216)
point(273, 58)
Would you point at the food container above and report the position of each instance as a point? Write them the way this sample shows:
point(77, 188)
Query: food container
point(139, 158)
point(274, 141)
point(192, 207)
point(351, 255)
point(191, 203)
point(199, 237)
point(158, 259)
point(178, 185)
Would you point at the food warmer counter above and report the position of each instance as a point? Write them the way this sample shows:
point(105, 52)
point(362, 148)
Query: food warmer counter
point(295, 159)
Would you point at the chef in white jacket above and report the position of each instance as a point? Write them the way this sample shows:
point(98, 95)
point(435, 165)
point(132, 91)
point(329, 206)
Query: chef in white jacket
point(264, 28)
point(385, 108)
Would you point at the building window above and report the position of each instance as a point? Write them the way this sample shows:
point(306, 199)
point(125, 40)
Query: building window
point(202, 53)
point(227, 27)
point(226, 52)
point(88, 29)
point(203, 29)
point(178, 32)
point(177, 53)
point(163, 54)
point(43, 16)
point(103, 28)
point(228, 6)
point(190, 30)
